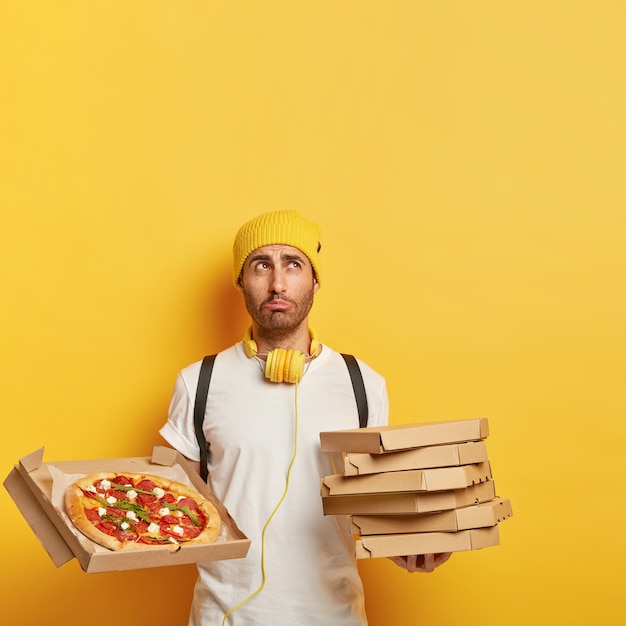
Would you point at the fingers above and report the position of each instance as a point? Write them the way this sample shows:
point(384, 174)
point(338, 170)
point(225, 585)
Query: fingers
point(425, 563)
point(428, 563)
point(400, 561)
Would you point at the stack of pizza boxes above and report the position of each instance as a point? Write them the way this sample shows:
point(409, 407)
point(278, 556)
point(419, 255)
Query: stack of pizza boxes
point(414, 488)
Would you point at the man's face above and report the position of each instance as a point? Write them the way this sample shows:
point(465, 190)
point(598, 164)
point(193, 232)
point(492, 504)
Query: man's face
point(278, 286)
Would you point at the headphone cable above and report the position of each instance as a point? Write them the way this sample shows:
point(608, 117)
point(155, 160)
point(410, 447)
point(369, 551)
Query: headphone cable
point(269, 519)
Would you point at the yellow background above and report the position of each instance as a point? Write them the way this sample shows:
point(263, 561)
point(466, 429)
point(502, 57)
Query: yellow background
point(466, 163)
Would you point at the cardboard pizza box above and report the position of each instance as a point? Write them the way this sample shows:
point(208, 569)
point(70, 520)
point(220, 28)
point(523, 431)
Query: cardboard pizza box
point(381, 439)
point(480, 515)
point(406, 502)
point(37, 489)
point(438, 479)
point(377, 546)
point(445, 455)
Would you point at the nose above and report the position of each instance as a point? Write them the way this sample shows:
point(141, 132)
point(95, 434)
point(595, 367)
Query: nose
point(278, 281)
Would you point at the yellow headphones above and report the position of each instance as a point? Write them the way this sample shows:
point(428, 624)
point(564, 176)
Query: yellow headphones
point(282, 365)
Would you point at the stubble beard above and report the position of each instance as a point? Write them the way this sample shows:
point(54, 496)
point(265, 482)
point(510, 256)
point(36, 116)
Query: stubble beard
point(279, 324)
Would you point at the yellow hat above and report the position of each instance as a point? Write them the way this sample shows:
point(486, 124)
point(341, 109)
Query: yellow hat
point(279, 227)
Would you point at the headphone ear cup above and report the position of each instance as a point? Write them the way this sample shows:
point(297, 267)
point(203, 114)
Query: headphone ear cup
point(296, 367)
point(249, 345)
point(315, 346)
point(284, 365)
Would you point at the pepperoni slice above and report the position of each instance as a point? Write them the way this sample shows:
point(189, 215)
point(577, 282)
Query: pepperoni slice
point(190, 503)
point(92, 515)
point(118, 495)
point(146, 485)
point(147, 500)
point(191, 532)
point(122, 480)
point(142, 526)
point(106, 527)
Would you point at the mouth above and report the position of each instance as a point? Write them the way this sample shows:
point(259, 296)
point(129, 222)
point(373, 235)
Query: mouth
point(277, 305)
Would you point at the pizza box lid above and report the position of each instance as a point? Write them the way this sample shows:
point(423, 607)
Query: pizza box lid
point(435, 479)
point(445, 455)
point(479, 515)
point(37, 489)
point(377, 546)
point(399, 503)
point(381, 439)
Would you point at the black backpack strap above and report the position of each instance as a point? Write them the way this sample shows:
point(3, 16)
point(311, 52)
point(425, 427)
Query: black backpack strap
point(359, 388)
point(202, 393)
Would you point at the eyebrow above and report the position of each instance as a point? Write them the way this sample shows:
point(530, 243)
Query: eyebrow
point(284, 257)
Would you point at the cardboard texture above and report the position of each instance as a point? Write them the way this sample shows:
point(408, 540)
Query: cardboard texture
point(414, 488)
point(359, 463)
point(438, 479)
point(406, 502)
point(475, 516)
point(36, 487)
point(378, 440)
point(373, 547)
point(39, 522)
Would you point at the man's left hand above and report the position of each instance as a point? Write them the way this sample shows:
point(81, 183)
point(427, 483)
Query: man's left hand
point(421, 562)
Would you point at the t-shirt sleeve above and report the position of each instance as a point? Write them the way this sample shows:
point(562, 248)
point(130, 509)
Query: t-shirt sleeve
point(377, 398)
point(379, 408)
point(179, 429)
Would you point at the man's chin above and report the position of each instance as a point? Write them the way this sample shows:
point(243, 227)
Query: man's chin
point(278, 321)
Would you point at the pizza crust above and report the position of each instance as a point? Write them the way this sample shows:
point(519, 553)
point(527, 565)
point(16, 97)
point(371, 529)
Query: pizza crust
point(75, 508)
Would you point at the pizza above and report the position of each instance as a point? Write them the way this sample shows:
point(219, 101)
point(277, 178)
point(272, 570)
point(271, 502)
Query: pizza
point(136, 511)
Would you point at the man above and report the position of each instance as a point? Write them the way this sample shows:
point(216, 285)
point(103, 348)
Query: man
point(265, 463)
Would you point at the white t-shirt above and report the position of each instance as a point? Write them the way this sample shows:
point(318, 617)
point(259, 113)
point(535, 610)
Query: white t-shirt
point(312, 579)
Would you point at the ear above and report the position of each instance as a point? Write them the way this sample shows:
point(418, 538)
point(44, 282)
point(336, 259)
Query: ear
point(316, 285)
point(239, 284)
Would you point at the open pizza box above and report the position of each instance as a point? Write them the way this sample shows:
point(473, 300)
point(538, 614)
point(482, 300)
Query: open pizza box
point(38, 488)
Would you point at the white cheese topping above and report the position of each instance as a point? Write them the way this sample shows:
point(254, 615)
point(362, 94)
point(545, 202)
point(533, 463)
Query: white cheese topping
point(105, 484)
point(91, 489)
point(164, 511)
point(131, 515)
point(158, 492)
point(101, 511)
point(153, 528)
point(131, 494)
point(124, 525)
point(111, 500)
point(178, 530)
